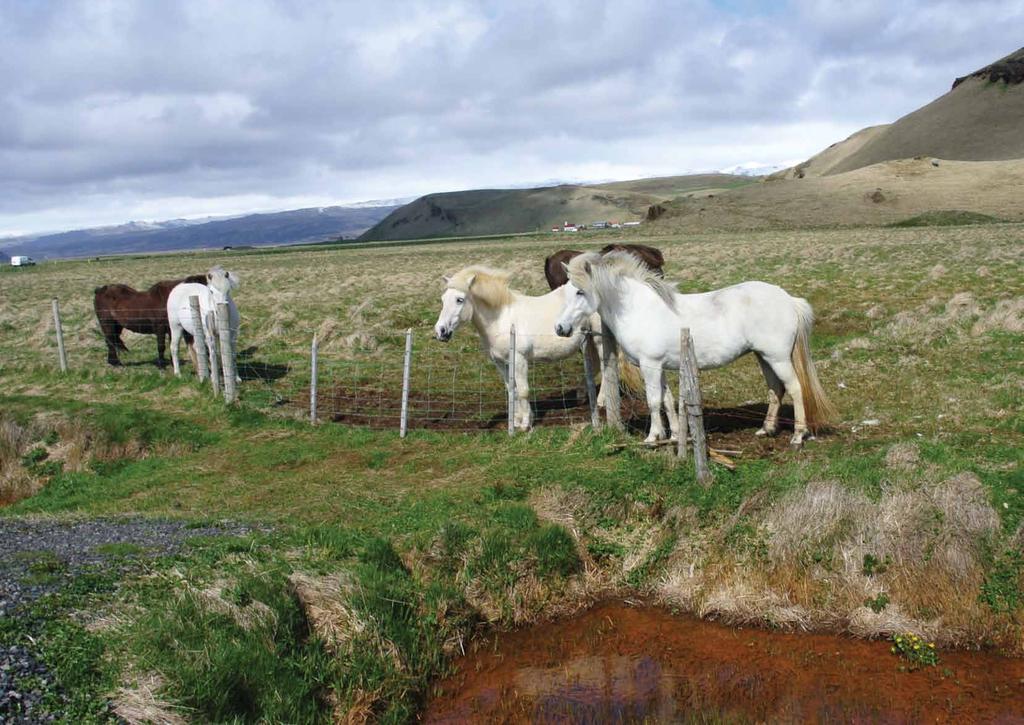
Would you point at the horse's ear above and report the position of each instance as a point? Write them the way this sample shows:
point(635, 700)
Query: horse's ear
point(233, 280)
point(565, 266)
point(586, 267)
point(447, 279)
point(470, 281)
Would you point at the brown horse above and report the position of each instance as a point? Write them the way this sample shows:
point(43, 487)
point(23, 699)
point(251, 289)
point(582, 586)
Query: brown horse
point(119, 307)
point(555, 272)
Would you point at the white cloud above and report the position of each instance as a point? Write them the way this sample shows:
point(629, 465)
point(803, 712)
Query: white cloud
point(128, 109)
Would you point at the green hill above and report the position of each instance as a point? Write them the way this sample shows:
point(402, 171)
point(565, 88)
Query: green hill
point(500, 211)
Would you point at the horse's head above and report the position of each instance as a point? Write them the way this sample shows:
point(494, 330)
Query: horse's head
point(456, 308)
point(221, 282)
point(579, 299)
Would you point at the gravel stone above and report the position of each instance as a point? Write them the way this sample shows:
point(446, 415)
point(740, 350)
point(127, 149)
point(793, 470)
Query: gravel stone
point(69, 547)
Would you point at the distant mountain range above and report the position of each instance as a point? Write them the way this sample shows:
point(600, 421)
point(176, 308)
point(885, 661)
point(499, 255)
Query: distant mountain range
point(287, 227)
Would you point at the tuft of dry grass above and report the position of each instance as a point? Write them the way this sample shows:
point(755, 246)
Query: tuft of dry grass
point(138, 703)
point(324, 601)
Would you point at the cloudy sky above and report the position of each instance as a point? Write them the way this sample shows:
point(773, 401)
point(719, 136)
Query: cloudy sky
point(113, 111)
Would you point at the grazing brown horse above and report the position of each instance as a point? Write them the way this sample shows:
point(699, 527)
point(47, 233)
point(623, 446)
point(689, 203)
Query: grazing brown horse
point(119, 307)
point(555, 272)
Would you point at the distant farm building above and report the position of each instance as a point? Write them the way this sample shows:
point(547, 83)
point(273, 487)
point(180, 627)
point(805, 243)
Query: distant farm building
point(22, 261)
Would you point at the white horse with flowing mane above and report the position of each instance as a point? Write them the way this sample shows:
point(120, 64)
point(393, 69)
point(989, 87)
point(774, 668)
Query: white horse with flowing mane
point(219, 283)
point(482, 295)
point(646, 314)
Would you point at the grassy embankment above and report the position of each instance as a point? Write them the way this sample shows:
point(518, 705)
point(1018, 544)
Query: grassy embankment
point(387, 556)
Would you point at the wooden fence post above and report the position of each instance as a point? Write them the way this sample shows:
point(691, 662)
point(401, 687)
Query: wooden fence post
point(694, 406)
point(684, 427)
point(61, 352)
point(312, 380)
point(227, 353)
point(406, 370)
point(588, 374)
point(199, 339)
point(512, 380)
point(610, 378)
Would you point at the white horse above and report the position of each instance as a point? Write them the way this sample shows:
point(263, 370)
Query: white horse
point(645, 313)
point(219, 283)
point(483, 296)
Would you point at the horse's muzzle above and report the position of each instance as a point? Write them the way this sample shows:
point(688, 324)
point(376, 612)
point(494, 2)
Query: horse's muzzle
point(443, 335)
point(563, 330)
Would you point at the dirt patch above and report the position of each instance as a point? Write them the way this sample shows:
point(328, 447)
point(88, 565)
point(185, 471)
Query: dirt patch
point(616, 663)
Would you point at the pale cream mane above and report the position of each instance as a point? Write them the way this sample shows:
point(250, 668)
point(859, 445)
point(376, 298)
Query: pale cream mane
point(488, 287)
point(600, 274)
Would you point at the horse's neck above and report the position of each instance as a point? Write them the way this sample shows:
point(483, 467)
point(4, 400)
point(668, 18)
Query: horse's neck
point(485, 320)
point(630, 298)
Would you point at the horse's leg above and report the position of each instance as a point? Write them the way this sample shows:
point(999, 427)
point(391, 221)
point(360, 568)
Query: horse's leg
point(787, 374)
point(502, 368)
point(653, 376)
point(192, 354)
point(112, 336)
point(234, 351)
point(670, 410)
point(593, 348)
point(175, 339)
point(161, 348)
point(775, 392)
point(524, 414)
point(117, 335)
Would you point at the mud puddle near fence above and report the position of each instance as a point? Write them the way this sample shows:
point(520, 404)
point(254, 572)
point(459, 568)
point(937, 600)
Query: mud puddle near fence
point(617, 663)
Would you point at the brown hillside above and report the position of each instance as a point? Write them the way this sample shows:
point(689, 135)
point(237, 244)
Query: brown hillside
point(980, 119)
point(883, 193)
point(823, 162)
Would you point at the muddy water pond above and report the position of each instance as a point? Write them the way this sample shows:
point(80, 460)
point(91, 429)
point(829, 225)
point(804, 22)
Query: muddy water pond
point(618, 663)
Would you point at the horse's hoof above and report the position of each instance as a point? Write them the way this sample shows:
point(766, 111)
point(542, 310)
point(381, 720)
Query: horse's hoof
point(797, 441)
point(764, 432)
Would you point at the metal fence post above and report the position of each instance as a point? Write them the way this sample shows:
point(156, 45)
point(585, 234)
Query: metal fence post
point(588, 374)
point(694, 405)
point(213, 346)
point(61, 352)
point(199, 338)
point(512, 380)
point(227, 352)
point(312, 379)
point(406, 370)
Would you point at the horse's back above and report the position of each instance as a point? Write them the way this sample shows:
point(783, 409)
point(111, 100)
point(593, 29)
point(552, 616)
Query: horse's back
point(554, 272)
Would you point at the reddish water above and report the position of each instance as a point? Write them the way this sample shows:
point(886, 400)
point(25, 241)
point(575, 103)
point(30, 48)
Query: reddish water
point(616, 663)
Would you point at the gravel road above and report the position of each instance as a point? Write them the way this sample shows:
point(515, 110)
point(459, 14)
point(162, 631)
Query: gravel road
point(60, 550)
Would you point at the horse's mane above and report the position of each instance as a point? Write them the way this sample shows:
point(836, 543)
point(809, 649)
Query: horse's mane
point(592, 271)
point(488, 286)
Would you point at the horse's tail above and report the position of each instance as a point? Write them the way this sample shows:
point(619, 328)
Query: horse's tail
point(818, 408)
point(630, 376)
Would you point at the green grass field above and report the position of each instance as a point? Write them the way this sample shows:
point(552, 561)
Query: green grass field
point(383, 557)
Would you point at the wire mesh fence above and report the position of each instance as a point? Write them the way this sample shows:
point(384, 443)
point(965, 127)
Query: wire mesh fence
point(451, 386)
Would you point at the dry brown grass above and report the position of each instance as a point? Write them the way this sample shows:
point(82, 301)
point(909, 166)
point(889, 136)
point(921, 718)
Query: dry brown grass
point(324, 601)
point(810, 570)
point(883, 193)
point(139, 703)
